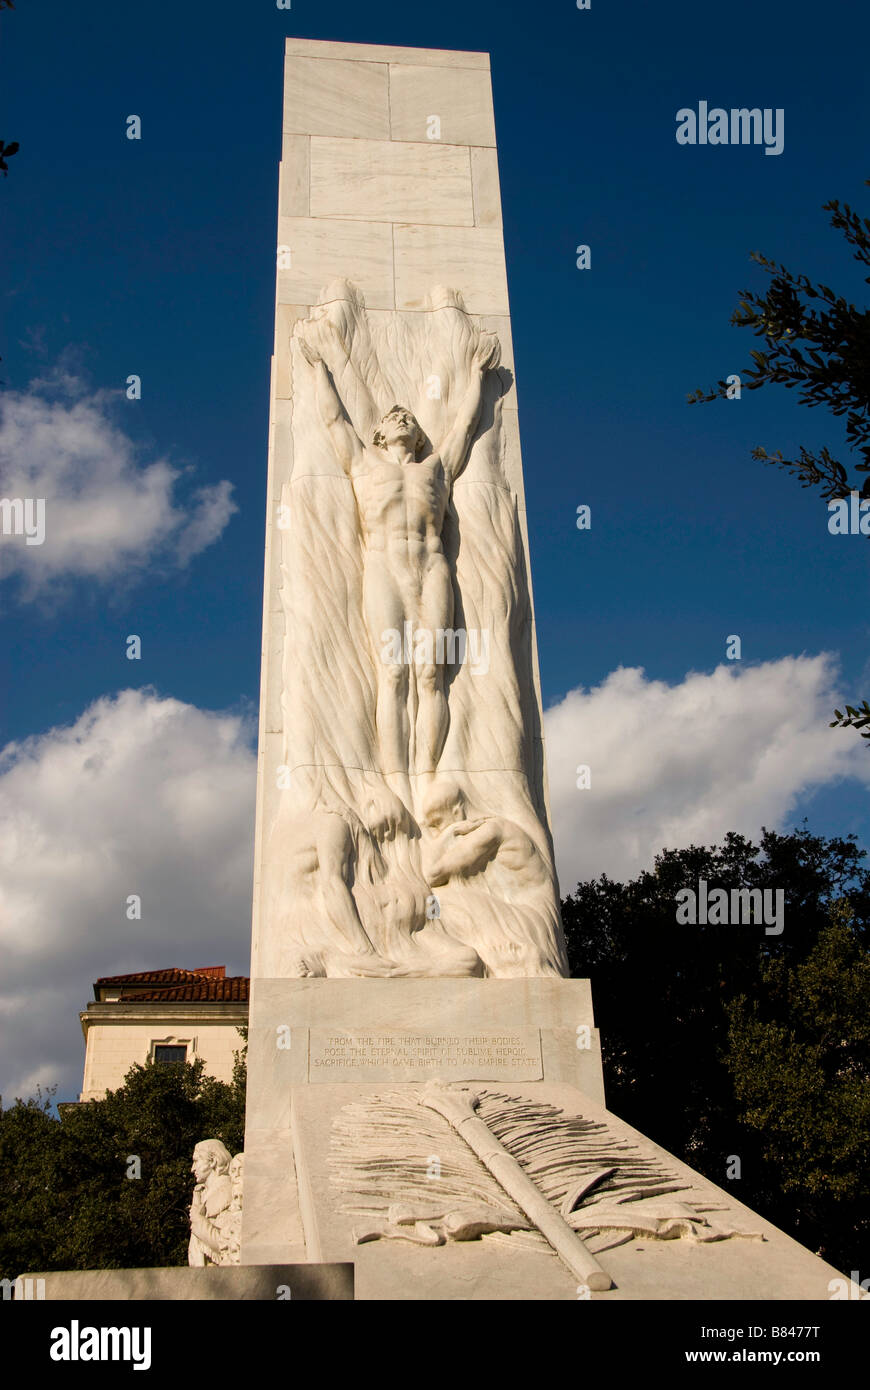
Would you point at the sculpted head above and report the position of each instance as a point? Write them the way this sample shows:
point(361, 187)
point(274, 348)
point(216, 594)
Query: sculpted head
point(399, 426)
point(443, 804)
point(210, 1156)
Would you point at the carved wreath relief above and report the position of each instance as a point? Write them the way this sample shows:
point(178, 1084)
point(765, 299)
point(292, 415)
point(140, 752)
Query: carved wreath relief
point(410, 835)
point(512, 1168)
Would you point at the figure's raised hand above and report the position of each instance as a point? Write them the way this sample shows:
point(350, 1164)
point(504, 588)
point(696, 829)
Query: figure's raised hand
point(309, 352)
point(320, 341)
point(316, 337)
point(487, 354)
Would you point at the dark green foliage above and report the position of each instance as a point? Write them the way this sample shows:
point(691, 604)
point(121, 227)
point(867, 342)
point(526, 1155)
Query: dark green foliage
point(800, 1058)
point(66, 1201)
point(820, 349)
point(6, 152)
point(721, 1040)
point(852, 719)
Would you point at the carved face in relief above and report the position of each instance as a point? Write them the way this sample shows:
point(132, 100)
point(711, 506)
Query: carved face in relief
point(208, 1156)
point(202, 1165)
point(442, 805)
point(399, 426)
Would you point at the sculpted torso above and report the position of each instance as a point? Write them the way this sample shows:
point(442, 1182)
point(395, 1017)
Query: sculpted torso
point(401, 505)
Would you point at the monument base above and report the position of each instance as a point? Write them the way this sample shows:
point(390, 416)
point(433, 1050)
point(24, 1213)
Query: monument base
point(450, 1138)
point(266, 1283)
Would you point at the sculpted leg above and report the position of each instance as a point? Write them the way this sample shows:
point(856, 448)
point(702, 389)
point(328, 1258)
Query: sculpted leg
point(431, 718)
point(392, 720)
point(385, 616)
point(436, 613)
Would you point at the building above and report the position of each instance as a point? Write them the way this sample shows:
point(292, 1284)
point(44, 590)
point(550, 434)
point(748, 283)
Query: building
point(162, 1016)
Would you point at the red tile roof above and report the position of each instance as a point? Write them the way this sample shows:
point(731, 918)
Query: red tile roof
point(172, 975)
point(208, 982)
point(234, 988)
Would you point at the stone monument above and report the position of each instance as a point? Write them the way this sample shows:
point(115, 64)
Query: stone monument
point(216, 1207)
point(425, 1094)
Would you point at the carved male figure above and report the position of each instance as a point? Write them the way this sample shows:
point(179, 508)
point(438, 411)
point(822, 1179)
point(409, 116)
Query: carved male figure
point(467, 847)
point(402, 500)
point(212, 1196)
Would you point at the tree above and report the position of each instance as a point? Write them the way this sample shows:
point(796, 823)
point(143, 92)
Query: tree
point(800, 1060)
point(107, 1185)
point(853, 719)
point(835, 371)
point(663, 993)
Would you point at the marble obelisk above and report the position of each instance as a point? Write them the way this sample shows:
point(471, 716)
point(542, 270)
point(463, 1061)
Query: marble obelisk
point(425, 1094)
point(403, 829)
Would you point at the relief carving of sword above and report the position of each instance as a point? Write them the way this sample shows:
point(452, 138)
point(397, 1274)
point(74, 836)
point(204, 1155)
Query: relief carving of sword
point(459, 1109)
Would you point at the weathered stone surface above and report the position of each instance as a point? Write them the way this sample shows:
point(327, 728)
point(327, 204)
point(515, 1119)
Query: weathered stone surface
point(253, 1282)
point(409, 837)
point(460, 99)
point(402, 819)
point(294, 177)
point(384, 53)
point(467, 258)
point(216, 1207)
point(691, 1240)
point(425, 1092)
point(391, 181)
point(358, 1057)
point(365, 250)
point(485, 188)
point(550, 1020)
point(330, 96)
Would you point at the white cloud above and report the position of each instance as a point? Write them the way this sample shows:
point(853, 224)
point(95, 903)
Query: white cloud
point(152, 796)
point(673, 765)
point(107, 513)
point(141, 795)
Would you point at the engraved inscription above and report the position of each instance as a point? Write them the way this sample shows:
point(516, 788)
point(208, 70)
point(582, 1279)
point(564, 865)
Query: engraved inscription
point(359, 1056)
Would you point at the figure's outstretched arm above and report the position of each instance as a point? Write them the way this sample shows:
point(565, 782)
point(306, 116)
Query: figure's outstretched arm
point(455, 446)
point(345, 440)
point(359, 402)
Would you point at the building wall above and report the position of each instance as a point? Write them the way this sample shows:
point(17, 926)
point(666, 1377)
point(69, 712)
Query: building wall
point(115, 1043)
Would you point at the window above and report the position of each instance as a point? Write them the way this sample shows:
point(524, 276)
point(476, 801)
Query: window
point(164, 1053)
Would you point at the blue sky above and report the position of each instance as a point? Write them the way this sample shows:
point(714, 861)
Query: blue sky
point(156, 257)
